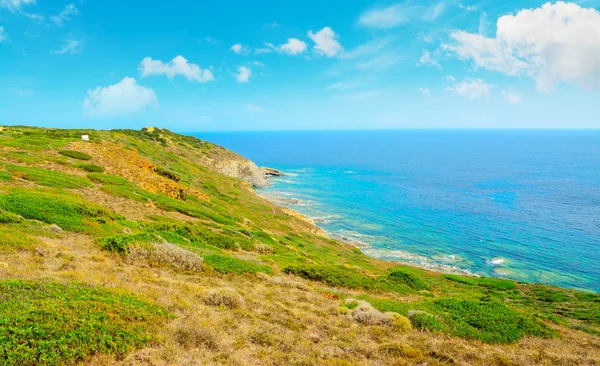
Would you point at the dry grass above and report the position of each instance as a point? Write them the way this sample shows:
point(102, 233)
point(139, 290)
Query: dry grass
point(224, 297)
point(166, 254)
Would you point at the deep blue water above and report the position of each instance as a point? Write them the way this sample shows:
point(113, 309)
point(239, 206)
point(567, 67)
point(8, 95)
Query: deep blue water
point(520, 204)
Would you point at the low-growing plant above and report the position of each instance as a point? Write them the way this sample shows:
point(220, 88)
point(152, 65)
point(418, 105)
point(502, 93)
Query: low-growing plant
point(166, 254)
point(227, 264)
point(409, 278)
point(120, 243)
point(224, 297)
point(70, 212)
point(13, 240)
point(92, 168)
point(5, 176)
point(493, 283)
point(49, 178)
point(167, 174)
point(75, 154)
point(9, 217)
point(46, 323)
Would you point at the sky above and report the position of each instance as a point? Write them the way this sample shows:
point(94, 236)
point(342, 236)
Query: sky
point(223, 65)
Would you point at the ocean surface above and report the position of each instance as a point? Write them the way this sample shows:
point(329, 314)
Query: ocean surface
point(518, 204)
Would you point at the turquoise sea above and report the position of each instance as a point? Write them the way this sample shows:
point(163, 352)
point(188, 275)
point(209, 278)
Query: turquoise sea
point(519, 204)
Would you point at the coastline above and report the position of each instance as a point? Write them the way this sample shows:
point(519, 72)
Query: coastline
point(397, 256)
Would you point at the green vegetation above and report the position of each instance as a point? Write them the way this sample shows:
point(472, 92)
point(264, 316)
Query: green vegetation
point(53, 207)
point(48, 178)
point(410, 277)
point(167, 174)
point(12, 239)
point(90, 168)
point(5, 176)
point(495, 283)
point(227, 264)
point(45, 323)
point(75, 154)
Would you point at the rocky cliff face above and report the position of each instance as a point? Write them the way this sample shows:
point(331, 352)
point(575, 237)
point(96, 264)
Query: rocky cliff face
point(231, 164)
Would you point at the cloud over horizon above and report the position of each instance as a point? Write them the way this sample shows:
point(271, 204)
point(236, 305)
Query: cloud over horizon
point(121, 99)
point(177, 66)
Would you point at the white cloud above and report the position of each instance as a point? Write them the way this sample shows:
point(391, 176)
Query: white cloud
point(342, 85)
point(65, 14)
point(427, 60)
point(15, 4)
point(238, 48)
point(425, 91)
point(243, 75)
point(3, 34)
point(554, 43)
point(467, 7)
point(253, 108)
point(402, 13)
point(471, 88)
point(450, 78)
point(293, 46)
point(124, 98)
point(511, 96)
point(326, 42)
point(70, 46)
point(178, 66)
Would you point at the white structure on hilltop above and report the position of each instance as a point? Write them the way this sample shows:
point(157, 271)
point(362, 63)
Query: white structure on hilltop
point(85, 137)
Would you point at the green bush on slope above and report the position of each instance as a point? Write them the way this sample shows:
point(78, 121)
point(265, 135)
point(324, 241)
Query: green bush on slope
point(49, 178)
point(69, 212)
point(75, 154)
point(45, 323)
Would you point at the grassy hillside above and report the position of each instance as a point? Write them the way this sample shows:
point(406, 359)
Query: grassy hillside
point(133, 249)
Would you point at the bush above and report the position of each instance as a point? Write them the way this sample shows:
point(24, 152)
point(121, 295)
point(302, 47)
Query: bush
point(333, 275)
point(90, 168)
point(400, 322)
point(193, 337)
point(494, 283)
point(121, 243)
point(167, 174)
point(425, 321)
point(224, 297)
point(226, 264)
point(400, 350)
point(410, 278)
point(75, 154)
point(45, 323)
point(9, 218)
point(69, 212)
point(488, 321)
point(49, 178)
point(166, 254)
point(11, 240)
point(5, 176)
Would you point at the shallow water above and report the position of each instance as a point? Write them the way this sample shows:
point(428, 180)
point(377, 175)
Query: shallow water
point(520, 204)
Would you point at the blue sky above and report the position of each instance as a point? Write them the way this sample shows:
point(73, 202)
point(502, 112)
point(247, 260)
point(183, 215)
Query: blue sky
point(272, 65)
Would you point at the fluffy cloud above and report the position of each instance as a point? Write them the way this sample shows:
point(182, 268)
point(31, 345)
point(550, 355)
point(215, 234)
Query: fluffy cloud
point(425, 91)
point(3, 34)
point(15, 4)
point(243, 75)
point(178, 66)
point(471, 88)
point(124, 98)
point(71, 47)
point(554, 43)
point(237, 48)
point(65, 14)
point(293, 46)
point(396, 15)
point(511, 96)
point(326, 42)
point(427, 60)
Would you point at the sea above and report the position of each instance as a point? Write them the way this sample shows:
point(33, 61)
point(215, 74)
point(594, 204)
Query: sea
point(517, 204)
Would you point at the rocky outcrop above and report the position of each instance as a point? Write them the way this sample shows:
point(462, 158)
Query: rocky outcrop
point(233, 165)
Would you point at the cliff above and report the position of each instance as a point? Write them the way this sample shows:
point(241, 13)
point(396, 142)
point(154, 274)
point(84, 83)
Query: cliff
point(152, 248)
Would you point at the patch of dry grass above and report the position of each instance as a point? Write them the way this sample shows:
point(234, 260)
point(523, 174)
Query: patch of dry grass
point(166, 254)
point(224, 297)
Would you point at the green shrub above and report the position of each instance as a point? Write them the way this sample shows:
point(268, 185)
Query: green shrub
point(75, 154)
point(425, 321)
point(494, 283)
point(196, 210)
point(333, 275)
point(9, 218)
point(167, 174)
point(198, 234)
point(121, 187)
point(489, 321)
point(44, 323)
point(226, 264)
point(120, 243)
point(90, 168)
point(410, 278)
point(5, 176)
point(69, 212)
point(49, 178)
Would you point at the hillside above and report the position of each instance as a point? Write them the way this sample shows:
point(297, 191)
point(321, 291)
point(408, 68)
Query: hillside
point(152, 248)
